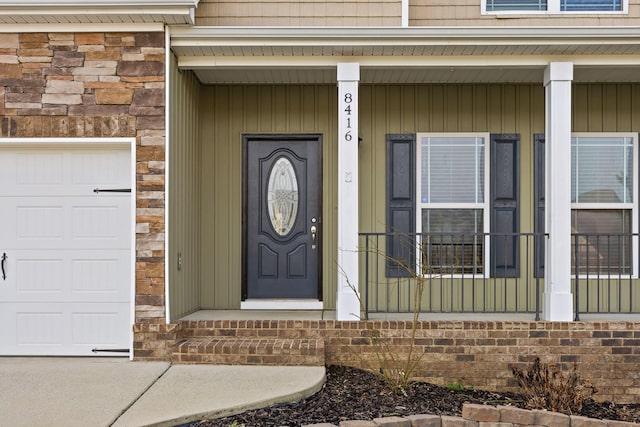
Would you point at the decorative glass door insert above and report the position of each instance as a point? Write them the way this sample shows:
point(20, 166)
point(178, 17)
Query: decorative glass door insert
point(282, 196)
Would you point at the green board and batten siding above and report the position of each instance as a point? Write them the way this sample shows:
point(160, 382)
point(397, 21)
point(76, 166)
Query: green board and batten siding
point(441, 108)
point(606, 108)
point(226, 112)
point(184, 194)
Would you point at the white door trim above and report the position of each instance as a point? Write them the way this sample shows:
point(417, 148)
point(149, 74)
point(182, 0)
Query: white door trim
point(167, 170)
point(87, 142)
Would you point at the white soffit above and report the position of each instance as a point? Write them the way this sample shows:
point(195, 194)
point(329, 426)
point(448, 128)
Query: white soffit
point(246, 55)
point(99, 12)
point(216, 42)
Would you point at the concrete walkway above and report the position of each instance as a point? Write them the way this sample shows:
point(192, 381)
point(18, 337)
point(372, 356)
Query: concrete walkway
point(117, 392)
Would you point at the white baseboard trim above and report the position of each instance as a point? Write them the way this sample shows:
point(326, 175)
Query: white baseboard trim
point(281, 304)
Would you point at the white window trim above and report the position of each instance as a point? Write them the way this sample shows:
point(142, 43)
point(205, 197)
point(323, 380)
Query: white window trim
point(485, 206)
point(618, 206)
point(553, 8)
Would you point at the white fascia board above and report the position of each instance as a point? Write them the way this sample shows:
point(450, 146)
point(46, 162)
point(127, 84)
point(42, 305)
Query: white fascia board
point(26, 4)
point(95, 10)
point(205, 62)
point(210, 36)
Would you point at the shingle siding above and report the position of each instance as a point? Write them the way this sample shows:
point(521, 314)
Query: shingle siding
point(299, 13)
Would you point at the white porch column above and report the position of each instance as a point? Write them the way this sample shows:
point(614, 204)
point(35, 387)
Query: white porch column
point(557, 299)
point(347, 302)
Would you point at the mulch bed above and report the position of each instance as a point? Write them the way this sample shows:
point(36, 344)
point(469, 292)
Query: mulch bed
point(354, 394)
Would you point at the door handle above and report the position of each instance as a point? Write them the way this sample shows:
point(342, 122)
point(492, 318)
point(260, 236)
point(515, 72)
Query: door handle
point(4, 258)
point(314, 236)
point(111, 190)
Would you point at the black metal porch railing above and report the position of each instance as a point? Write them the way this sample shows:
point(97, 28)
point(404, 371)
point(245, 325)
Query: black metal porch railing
point(494, 273)
point(605, 273)
point(440, 272)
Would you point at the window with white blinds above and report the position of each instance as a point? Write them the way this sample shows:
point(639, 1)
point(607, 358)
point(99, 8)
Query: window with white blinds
point(452, 169)
point(603, 202)
point(555, 6)
point(602, 169)
point(591, 5)
point(514, 5)
point(452, 175)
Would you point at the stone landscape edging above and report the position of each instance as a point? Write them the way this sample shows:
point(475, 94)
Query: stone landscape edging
point(475, 415)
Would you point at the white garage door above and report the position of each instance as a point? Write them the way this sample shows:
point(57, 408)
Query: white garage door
point(65, 284)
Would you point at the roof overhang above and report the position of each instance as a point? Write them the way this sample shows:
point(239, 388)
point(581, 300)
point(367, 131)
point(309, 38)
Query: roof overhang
point(97, 12)
point(406, 55)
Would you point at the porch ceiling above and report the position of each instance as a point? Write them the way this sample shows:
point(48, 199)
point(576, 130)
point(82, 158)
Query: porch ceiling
point(406, 55)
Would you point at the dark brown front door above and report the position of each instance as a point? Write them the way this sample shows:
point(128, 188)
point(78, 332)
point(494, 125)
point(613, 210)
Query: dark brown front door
point(282, 207)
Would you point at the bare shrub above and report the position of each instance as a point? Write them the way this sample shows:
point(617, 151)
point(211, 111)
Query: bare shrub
point(397, 366)
point(548, 388)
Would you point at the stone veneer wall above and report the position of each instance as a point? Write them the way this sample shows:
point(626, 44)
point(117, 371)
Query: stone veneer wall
point(98, 85)
point(478, 353)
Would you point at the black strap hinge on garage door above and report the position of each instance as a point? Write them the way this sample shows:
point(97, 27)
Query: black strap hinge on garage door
point(110, 350)
point(111, 190)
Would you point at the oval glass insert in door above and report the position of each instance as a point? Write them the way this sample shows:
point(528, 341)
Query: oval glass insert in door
point(282, 196)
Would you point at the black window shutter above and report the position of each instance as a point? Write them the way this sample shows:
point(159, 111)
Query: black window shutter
point(401, 207)
point(538, 200)
point(505, 201)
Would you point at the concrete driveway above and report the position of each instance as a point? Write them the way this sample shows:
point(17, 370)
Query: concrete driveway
point(97, 392)
point(71, 392)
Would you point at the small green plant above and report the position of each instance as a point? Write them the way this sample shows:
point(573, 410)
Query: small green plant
point(459, 385)
point(546, 387)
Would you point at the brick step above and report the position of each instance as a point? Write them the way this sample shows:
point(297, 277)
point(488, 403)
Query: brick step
point(289, 329)
point(249, 351)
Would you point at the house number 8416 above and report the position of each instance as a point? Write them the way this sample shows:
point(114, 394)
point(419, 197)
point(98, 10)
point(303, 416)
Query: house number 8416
point(348, 98)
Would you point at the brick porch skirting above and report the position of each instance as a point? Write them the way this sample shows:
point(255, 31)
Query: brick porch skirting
point(481, 353)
